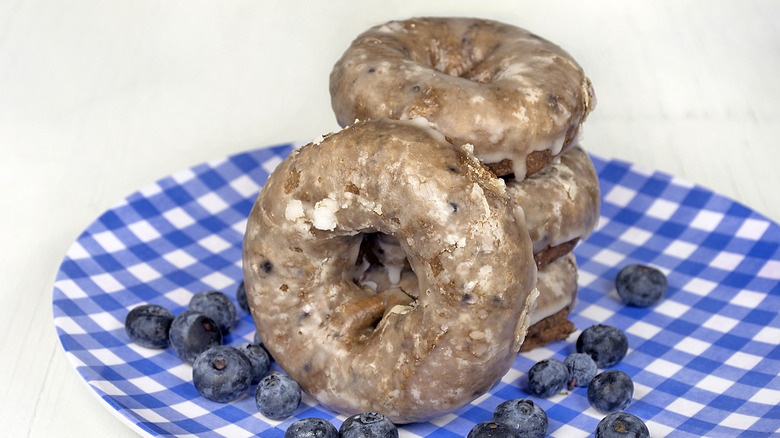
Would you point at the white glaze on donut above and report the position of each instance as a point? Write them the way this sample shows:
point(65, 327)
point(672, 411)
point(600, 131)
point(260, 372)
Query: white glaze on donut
point(557, 288)
point(410, 358)
point(561, 202)
point(499, 87)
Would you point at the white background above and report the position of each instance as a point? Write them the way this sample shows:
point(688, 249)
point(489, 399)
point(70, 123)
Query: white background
point(100, 98)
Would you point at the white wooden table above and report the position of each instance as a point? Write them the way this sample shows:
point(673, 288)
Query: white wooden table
point(100, 98)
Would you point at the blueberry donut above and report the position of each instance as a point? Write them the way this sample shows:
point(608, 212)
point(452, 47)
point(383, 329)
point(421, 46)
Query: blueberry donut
point(557, 287)
point(561, 204)
point(410, 356)
point(518, 98)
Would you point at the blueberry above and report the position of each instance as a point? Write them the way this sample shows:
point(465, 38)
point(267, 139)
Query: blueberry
point(258, 357)
point(217, 306)
point(524, 416)
point(607, 345)
point(582, 369)
point(221, 374)
point(610, 391)
point(640, 286)
point(148, 325)
point(277, 396)
point(243, 302)
point(490, 429)
point(311, 428)
point(259, 342)
point(192, 333)
point(547, 377)
point(368, 425)
point(621, 425)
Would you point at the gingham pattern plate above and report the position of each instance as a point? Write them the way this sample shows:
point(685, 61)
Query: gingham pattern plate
point(704, 361)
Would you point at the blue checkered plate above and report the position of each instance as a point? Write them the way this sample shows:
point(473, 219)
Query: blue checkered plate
point(704, 361)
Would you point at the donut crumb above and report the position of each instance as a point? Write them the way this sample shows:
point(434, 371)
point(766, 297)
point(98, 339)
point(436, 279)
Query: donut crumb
point(436, 266)
point(292, 180)
point(352, 188)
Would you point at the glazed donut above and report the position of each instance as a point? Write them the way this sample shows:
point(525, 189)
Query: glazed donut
point(557, 287)
point(561, 204)
point(519, 99)
point(410, 357)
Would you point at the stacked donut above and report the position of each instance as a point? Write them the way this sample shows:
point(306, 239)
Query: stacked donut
point(518, 99)
point(398, 265)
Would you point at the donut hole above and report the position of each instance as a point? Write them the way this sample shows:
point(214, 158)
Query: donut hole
point(382, 265)
point(384, 280)
point(447, 55)
point(461, 51)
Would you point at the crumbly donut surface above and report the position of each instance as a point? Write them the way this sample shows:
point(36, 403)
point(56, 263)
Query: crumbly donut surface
point(411, 358)
point(501, 88)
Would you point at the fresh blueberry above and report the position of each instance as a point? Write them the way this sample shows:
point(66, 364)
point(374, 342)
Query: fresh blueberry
point(259, 342)
point(221, 374)
point(490, 429)
point(606, 344)
point(547, 377)
point(192, 333)
point(148, 325)
point(524, 416)
point(277, 396)
point(610, 391)
point(640, 286)
point(243, 302)
point(258, 357)
point(368, 425)
point(622, 425)
point(217, 306)
point(311, 428)
point(582, 369)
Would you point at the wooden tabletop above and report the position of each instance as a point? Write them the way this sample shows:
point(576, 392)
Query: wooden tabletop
point(98, 99)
